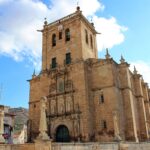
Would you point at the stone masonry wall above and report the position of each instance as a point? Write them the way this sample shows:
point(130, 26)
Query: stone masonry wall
point(78, 146)
point(91, 97)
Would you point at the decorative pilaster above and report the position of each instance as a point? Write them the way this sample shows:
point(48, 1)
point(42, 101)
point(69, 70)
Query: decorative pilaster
point(116, 127)
point(147, 106)
point(143, 132)
point(128, 97)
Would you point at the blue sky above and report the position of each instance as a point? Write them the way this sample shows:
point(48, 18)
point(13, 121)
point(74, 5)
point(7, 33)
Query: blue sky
point(124, 25)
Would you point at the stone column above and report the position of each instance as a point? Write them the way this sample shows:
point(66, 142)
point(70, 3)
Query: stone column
point(146, 103)
point(133, 116)
point(43, 123)
point(143, 129)
point(129, 101)
point(2, 140)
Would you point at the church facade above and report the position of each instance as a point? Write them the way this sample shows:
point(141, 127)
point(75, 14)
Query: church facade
point(88, 98)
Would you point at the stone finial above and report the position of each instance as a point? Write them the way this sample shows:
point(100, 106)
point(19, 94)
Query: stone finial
point(122, 60)
point(135, 71)
point(45, 22)
point(33, 75)
point(142, 79)
point(78, 7)
point(43, 123)
point(107, 54)
point(92, 22)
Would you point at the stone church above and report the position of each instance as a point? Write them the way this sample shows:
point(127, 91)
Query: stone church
point(88, 98)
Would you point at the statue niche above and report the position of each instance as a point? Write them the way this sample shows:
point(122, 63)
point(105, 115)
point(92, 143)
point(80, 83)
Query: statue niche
point(69, 106)
point(53, 107)
point(60, 85)
point(68, 85)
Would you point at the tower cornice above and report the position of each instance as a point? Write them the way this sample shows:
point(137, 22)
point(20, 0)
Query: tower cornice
point(68, 17)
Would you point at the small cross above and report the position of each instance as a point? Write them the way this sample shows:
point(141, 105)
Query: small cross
point(77, 3)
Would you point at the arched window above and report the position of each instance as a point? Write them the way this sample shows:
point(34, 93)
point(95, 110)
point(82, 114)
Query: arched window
point(67, 34)
point(86, 36)
point(54, 40)
point(91, 40)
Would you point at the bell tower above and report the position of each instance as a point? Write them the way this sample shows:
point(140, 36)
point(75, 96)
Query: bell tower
point(66, 45)
point(68, 40)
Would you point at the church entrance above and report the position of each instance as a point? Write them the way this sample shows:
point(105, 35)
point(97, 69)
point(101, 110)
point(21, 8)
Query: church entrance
point(62, 134)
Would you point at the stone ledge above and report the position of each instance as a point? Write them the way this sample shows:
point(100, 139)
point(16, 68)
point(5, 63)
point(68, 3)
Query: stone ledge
point(47, 145)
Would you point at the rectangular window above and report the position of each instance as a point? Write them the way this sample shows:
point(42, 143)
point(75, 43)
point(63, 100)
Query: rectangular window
point(67, 34)
point(101, 98)
point(68, 58)
point(86, 36)
point(60, 35)
point(54, 64)
point(54, 40)
point(103, 124)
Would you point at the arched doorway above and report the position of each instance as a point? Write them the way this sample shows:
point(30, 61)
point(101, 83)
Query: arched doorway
point(62, 134)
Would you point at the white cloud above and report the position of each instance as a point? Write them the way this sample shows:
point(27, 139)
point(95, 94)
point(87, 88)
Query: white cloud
point(143, 68)
point(68, 6)
point(20, 19)
point(4, 1)
point(111, 32)
point(18, 23)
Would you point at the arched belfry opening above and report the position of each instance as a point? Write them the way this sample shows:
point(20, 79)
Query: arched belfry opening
point(62, 134)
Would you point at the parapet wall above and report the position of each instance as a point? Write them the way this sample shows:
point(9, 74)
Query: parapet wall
point(85, 146)
point(17, 147)
point(101, 146)
point(77, 146)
